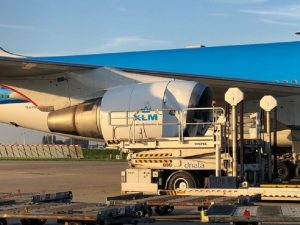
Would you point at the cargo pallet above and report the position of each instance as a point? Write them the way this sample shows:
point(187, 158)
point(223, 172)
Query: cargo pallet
point(235, 206)
point(223, 205)
point(165, 204)
point(37, 209)
point(253, 215)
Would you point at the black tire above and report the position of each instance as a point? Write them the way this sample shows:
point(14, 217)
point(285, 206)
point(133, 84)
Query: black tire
point(181, 180)
point(3, 222)
point(285, 170)
point(164, 210)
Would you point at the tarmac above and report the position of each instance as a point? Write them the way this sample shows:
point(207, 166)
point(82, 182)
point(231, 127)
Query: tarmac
point(90, 181)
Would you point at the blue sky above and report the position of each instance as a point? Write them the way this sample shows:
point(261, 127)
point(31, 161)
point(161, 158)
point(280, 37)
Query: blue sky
point(58, 27)
point(63, 27)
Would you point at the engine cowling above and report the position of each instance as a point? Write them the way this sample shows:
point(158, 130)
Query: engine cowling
point(151, 107)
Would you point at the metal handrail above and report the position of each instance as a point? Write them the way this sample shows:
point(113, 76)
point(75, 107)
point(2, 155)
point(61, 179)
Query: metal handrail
point(131, 122)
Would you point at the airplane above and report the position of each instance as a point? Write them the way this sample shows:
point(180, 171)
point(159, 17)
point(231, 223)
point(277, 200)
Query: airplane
point(70, 92)
point(83, 96)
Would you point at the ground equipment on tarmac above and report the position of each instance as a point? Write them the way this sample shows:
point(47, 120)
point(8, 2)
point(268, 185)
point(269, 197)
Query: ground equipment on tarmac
point(36, 209)
point(200, 147)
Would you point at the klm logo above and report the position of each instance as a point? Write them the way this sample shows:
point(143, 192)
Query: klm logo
point(146, 115)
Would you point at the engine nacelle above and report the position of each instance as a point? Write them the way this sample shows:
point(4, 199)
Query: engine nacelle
point(143, 110)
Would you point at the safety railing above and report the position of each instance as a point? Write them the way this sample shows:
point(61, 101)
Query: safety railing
point(142, 119)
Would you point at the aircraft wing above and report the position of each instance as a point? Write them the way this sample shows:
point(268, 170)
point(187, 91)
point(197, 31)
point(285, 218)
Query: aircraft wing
point(50, 85)
point(57, 82)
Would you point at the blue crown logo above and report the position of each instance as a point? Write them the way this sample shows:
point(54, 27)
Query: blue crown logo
point(146, 109)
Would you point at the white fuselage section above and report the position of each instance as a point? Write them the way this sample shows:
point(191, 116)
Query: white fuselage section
point(24, 115)
point(27, 115)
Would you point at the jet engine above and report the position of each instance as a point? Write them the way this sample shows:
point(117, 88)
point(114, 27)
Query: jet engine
point(142, 110)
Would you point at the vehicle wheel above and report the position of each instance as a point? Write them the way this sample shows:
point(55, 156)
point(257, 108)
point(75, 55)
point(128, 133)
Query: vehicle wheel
point(285, 170)
point(181, 180)
point(3, 222)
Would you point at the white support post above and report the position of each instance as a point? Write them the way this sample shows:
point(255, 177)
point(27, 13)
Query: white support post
point(268, 103)
point(234, 96)
point(218, 140)
point(268, 147)
point(234, 140)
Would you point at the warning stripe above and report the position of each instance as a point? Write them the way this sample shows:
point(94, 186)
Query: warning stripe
point(153, 161)
point(156, 155)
